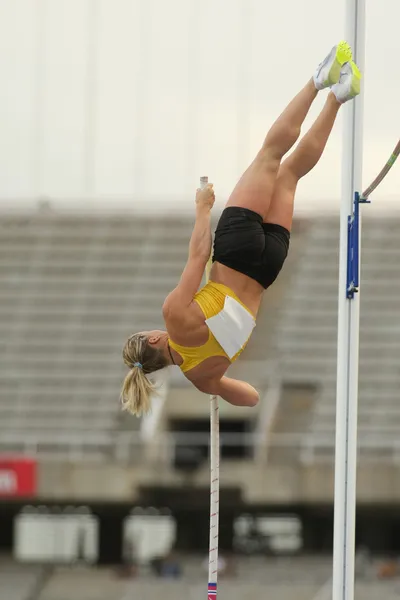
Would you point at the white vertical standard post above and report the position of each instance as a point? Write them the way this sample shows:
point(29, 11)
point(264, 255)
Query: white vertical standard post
point(348, 332)
point(214, 480)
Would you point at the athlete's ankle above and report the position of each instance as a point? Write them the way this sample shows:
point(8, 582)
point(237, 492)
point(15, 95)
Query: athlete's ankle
point(333, 100)
point(312, 85)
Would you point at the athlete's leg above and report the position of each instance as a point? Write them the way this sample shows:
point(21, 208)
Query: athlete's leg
point(310, 149)
point(299, 163)
point(255, 188)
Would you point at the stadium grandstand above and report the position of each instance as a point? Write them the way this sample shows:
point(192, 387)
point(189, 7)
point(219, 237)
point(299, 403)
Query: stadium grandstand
point(72, 289)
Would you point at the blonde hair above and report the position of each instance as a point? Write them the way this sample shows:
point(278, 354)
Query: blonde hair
point(142, 358)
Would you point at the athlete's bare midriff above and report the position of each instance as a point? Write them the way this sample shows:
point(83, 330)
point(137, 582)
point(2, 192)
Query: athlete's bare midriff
point(191, 330)
point(247, 290)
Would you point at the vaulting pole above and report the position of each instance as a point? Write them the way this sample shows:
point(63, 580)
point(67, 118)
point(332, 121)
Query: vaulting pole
point(214, 479)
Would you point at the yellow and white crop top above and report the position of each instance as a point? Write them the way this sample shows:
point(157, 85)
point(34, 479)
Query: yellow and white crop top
point(230, 325)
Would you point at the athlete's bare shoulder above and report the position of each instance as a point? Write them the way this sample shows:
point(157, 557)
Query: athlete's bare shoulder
point(187, 326)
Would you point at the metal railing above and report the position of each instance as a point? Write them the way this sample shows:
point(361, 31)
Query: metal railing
point(128, 447)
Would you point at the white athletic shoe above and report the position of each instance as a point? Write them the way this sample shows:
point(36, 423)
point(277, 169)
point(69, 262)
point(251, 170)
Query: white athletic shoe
point(349, 83)
point(328, 72)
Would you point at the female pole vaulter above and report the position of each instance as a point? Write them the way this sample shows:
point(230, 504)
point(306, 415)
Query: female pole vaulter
point(207, 330)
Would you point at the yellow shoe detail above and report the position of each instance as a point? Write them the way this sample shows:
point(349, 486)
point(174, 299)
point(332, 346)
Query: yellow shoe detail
point(349, 83)
point(343, 55)
point(356, 80)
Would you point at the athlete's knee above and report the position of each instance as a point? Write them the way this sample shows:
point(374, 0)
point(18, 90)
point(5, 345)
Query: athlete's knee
point(268, 160)
point(281, 138)
point(304, 158)
point(288, 177)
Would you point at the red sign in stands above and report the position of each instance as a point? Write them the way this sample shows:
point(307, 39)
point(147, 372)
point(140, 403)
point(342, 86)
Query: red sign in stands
point(18, 477)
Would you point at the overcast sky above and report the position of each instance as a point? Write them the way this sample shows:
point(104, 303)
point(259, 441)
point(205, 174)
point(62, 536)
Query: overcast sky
point(116, 103)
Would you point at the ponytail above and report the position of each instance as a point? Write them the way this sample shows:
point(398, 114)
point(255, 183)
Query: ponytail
point(136, 392)
point(142, 358)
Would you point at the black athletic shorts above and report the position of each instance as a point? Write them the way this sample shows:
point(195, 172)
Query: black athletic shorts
point(246, 244)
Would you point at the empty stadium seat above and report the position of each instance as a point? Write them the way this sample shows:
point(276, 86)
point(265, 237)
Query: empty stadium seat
point(308, 329)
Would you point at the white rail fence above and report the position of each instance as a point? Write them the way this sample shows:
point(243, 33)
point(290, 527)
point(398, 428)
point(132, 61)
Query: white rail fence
point(123, 447)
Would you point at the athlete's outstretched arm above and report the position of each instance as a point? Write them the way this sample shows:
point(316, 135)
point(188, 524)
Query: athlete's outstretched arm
point(238, 393)
point(199, 253)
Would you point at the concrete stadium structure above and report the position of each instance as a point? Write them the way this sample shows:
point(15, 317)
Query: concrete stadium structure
point(73, 287)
